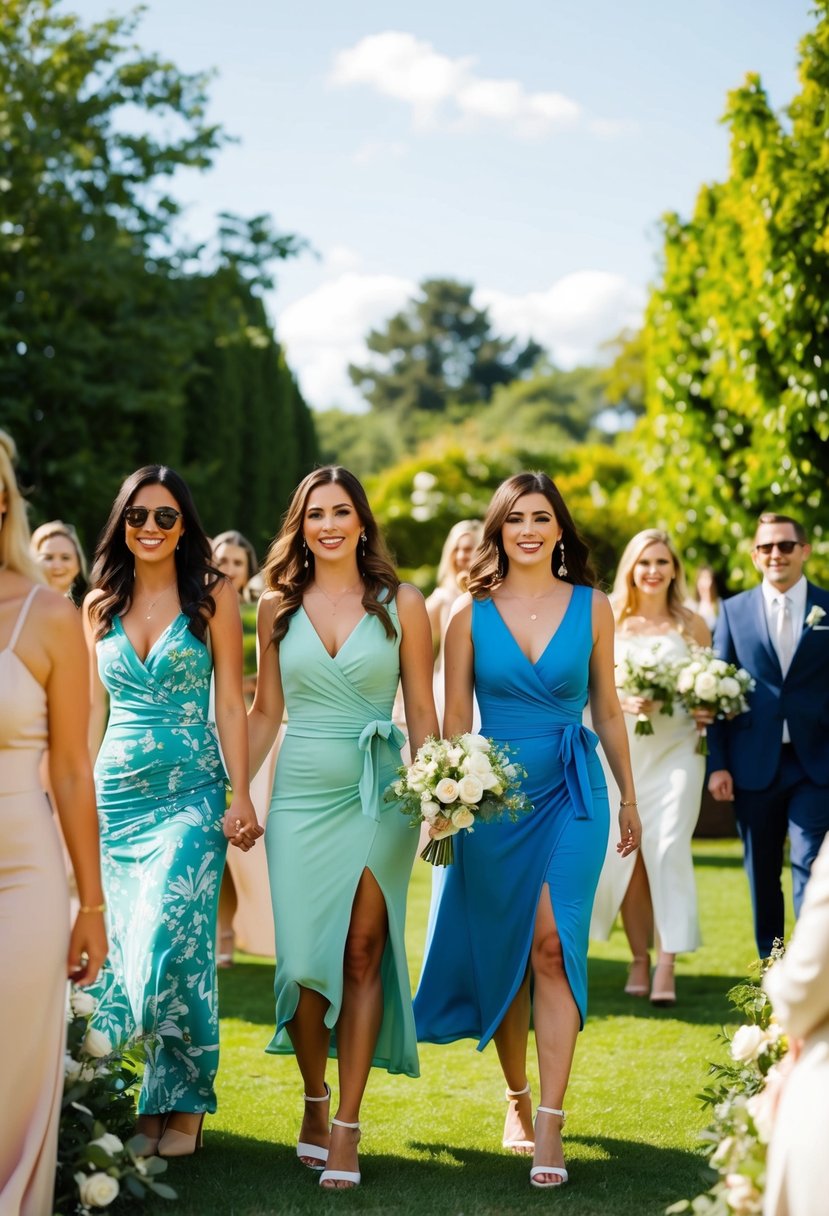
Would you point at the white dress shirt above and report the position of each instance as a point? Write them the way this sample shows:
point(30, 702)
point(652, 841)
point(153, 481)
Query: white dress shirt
point(796, 597)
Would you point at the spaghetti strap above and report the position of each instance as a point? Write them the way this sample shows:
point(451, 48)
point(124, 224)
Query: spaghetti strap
point(21, 618)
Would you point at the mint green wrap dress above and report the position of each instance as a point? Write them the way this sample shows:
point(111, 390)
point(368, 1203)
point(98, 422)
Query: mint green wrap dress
point(328, 823)
point(160, 785)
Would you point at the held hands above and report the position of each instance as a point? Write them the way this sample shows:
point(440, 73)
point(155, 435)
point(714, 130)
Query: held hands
point(240, 825)
point(630, 830)
point(87, 948)
point(639, 705)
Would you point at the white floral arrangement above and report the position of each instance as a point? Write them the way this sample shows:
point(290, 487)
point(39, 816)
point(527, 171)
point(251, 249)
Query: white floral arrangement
point(96, 1163)
point(648, 674)
point(707, 682)
point(454, 783)
point(813, 618)
point(743, 1103)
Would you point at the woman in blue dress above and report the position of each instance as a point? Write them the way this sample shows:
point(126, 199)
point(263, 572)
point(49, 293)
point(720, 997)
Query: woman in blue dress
point(531, 639)
point(159, 621)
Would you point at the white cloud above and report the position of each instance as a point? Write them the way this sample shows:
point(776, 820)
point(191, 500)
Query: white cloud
point(324, 331)
point(340, 258)
point(399, 65)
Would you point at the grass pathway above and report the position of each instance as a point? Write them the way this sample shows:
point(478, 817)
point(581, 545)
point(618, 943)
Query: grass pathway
point(433, 1145)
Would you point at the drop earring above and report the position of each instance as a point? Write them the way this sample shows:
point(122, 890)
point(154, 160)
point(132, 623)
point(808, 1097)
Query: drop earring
point(305, 554)
point(363, 540)
point(562, 570)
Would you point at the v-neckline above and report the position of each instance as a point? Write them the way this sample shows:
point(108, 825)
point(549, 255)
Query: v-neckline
point(163, 633)
point(550, 640)
point(333, 657)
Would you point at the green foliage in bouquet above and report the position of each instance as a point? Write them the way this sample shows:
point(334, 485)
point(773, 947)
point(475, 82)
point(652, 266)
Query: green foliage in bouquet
point(97, 1166)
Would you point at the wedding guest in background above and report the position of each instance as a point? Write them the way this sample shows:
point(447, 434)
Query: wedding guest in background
point(43, 704)
point(655, 887)
point(798, 986)
point(531, 639)
point(460, 544)
point(706, 599)
point(57, 548)
point(235, 556)
point(773, 761)
point(160, 620)
point(337, 631)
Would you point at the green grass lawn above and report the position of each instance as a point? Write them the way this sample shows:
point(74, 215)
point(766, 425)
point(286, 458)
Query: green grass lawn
point(433, 1145)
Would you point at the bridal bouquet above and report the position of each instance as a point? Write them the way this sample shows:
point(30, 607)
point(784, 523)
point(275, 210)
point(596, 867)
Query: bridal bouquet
point(648, 674)
point(710, 683)
point(455, 782)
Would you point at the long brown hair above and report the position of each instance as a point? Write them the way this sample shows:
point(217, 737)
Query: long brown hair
point(490, 564)
point(624, 596)
point(289, 568)
point(113, 570)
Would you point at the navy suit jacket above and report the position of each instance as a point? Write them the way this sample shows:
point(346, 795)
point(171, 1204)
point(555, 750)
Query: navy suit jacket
point(749, 745)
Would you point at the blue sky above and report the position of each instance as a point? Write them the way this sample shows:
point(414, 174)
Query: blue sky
point(529, 150)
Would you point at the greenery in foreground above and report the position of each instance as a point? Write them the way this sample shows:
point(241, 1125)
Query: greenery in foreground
point(433, 1145)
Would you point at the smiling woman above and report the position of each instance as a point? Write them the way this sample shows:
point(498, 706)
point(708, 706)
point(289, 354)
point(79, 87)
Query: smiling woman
point(159, 621)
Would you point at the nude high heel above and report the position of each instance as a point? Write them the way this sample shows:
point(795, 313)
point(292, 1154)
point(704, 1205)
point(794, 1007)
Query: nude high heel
point(632, 989)
point(549, 1169)
point(517, 1145)
point(180, 1144)
point(663, 997)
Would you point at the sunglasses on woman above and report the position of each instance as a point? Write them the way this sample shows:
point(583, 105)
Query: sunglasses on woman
point(785, 546)
point(165, 517)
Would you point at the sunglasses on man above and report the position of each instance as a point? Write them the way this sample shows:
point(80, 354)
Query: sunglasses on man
point(785, 546)
point(165, 517)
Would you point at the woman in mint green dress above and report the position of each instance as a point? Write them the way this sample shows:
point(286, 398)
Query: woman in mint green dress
point(337, 631)
point(159, 621)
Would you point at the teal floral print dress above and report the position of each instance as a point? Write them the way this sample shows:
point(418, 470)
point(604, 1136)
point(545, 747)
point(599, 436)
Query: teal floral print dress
point(161, 797)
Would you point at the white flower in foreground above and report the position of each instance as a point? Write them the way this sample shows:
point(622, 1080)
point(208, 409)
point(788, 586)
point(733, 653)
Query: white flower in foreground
point(815, 615)
point(761, 1109)
point(705, 686)
point(742, 1195)
point(478, 764)
point(98, 1190)
point(470, 789)
point(749, 1043)
point(462, 817)
point(430, 810)
point(96, 1044)
point(474, 743)
point(109, 1143)
point(71, 1069)
point(83, 1003)
point(685, 681)
point(446, 791)
point(729, 687)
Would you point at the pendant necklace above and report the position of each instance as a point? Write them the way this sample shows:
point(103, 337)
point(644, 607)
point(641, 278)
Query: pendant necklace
point(160, 595)
point(334, 601)
point(532, 599)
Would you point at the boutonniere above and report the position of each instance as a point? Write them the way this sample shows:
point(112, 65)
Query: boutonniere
point(814, 617)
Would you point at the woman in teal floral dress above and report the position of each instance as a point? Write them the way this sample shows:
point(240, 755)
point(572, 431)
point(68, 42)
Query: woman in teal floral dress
point(159, 621)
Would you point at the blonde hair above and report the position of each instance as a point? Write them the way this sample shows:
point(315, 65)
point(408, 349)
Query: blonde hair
point(56, 527)
point(14, 533)
point(624, 596)
point(447, 575)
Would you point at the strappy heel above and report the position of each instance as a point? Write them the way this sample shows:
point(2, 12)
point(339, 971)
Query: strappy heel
point(537, 1170)
point(350, 1176)
point(317, 1154)
point(632, 989)
point(517, 1145)
point(663, 997)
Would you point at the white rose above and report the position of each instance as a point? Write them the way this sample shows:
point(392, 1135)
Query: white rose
point(71, 1069)
point(462, 817)
point(446, 791)
point(686, 680)
point(749, 1043)
point(729, 687)
point(742, 1195)
point(97, 1190)
point(83, 1003)
point(705, 686)
point(109, 1143)
point(490, 782)
point(761, 1109)
point(96, 1044)
point(718, 666)
point(430, 810)
point(454, 756)
point(478, 764)
point(474, 743)
point(470, 789)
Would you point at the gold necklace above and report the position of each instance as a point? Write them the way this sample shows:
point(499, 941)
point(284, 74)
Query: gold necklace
point(160, 595)
point(341, 596)
point(513, 595)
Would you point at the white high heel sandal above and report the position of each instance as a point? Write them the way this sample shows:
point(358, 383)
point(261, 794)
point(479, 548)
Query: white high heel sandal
point(351, 1176)
point(314, 1151)
point(516, 1144)
point(549, 1169)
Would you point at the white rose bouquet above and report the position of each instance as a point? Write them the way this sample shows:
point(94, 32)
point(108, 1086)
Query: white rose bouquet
point(455, 782)
point(707, 682)
point(648, 674)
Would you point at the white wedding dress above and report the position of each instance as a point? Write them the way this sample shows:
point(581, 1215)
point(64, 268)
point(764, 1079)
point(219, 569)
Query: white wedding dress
point(668, 776)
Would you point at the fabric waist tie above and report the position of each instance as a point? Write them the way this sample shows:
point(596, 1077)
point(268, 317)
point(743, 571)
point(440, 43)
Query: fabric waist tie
point(575, 745)
point(369, 740)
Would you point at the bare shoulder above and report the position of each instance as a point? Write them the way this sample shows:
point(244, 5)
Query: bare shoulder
point(411, 606)
point(460, 616)
point(266, 607)
point(699, 631)
point(601, 608)
point(58, 617)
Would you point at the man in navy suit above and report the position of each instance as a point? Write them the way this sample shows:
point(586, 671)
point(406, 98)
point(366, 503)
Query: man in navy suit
point(774, 759)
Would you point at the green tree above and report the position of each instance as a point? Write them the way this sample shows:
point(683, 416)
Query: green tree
point(736, 334)
point(440, 349)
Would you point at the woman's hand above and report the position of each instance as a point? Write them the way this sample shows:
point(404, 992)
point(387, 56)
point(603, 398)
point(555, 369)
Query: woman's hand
point(240, 825)
point(439, 827)
point(702, 717)
point(630, 831)
point(639, 705)
point(87, 948)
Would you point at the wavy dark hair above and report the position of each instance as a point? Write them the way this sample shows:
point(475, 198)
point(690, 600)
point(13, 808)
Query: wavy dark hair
point(285, 570)
point(490, 564)
point(113, 568)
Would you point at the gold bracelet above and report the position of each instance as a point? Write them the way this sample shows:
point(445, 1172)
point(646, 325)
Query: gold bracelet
point(92, 908)
point(621, 804)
